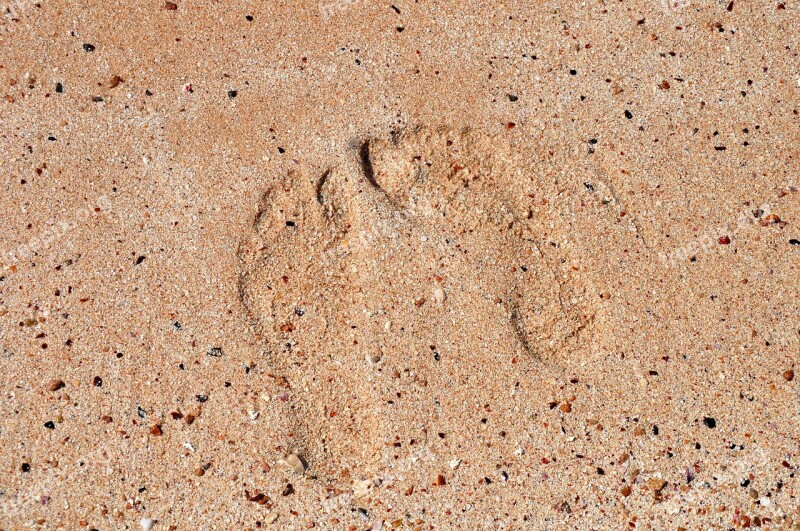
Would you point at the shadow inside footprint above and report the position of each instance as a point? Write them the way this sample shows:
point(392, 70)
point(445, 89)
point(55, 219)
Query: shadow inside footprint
point(397, 295)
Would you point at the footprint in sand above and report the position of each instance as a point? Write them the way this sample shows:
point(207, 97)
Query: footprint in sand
point(390, 291)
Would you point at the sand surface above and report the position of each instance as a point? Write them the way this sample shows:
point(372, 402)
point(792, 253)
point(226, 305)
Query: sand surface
point(413, 265)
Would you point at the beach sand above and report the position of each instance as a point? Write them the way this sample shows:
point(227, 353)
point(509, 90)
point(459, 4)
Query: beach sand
point(356, 265)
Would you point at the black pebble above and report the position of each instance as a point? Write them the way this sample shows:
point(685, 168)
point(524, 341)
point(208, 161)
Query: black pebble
point(88, 47)
point(512, 97)
point(25, 467)
point(140, 260)
point(794, 241)
point(249, 18)
point(573, 72)
point(59, 88)
point(710, 422)
point(628, 114)
point(233, 93)
point(50, 425)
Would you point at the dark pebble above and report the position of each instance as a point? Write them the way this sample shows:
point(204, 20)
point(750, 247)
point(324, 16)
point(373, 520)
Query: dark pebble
point(710, 422)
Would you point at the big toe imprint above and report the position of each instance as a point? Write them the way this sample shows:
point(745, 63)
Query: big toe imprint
point(390, 291)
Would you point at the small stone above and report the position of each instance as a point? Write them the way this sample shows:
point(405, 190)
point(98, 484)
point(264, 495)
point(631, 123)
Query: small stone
point(56, 384)
point(199, 472)
point(259, 498)
point(271, 517)
point(156, 430)
point(170, 6)
point(439, 296)
point(566, 407)
point(114, 81)
point(625, 491)
point(455, 463)
point(656, 484)
point(294, 463)
point(440, 480)
point(788, 375)
point(147, 524)
point(724, 240)
point(710, 422)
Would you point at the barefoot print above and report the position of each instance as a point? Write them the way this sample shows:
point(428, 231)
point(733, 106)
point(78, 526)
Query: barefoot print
point(421, 270)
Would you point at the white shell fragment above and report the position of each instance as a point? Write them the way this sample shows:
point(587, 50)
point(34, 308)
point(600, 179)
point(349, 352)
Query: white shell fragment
point(439, 296)
point(293, 462)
